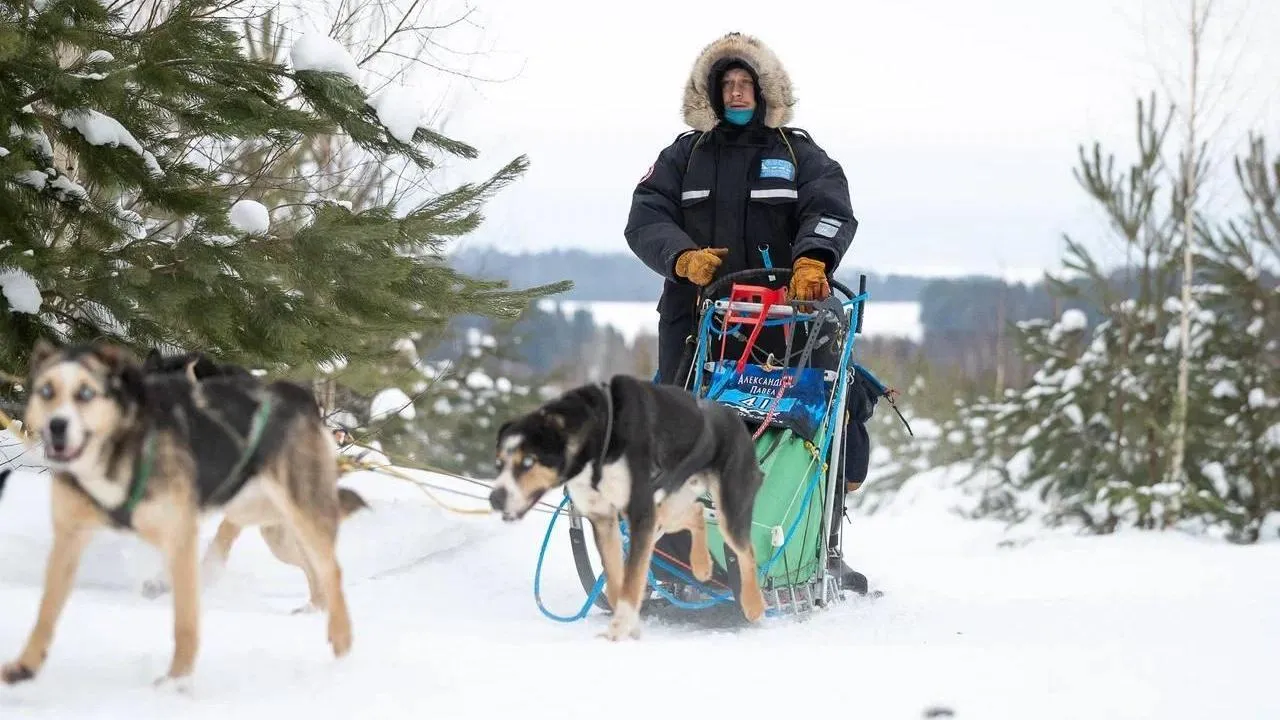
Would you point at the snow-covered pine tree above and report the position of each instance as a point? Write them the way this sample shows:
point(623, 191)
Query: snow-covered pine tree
point(118, 224)
point(1242, 458)
point(1083, 443)
point(1088, 440)
point(999, 436)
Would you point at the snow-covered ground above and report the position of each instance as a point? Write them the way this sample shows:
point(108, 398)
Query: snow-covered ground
point(883, 319)
point(985, 623)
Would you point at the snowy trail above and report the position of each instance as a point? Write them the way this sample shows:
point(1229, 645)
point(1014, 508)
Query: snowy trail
point(1134, 626)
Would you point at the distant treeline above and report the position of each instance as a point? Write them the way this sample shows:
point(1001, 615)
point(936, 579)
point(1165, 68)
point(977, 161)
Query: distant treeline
point(965, 320)
point(622, 277)
point(570, 347)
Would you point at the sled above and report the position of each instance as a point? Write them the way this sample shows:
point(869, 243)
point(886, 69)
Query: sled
point(794, 404)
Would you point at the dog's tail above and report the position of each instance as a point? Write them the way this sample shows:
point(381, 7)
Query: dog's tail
point(350, 502)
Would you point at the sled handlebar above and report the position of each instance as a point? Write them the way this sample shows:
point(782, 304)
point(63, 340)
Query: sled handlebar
point(720, 284)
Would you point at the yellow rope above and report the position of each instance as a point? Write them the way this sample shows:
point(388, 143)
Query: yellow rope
point(346, 464)
point(403, 462)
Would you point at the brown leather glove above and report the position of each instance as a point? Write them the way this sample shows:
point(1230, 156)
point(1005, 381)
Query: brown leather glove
point(699, 266)
point(809, 280)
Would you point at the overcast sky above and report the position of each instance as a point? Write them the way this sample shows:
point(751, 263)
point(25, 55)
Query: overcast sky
point(957, 123)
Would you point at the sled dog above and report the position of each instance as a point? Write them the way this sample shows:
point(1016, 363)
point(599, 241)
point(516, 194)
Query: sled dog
point(646, 452)
point(198, 366)
point(150, 453)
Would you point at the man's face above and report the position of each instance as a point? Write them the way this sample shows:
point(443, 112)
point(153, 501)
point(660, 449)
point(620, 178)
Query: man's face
point(738, 90)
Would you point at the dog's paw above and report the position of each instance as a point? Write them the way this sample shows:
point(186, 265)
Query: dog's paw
point(625, 624)
point(753, 606)
point(308, 609)
point(340, 639)
point(620, 631)
point(16, 672)
point(154, 588)
point(169, 683)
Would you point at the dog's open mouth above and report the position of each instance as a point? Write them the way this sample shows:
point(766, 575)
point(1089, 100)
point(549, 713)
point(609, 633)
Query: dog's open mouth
point(64, 453)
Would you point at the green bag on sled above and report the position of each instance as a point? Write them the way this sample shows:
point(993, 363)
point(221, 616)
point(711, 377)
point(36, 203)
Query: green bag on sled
point(789, 464)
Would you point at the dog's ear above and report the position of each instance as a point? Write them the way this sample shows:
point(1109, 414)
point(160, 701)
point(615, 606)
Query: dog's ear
point(40, 352)
point(204, 366)
point(503, 428)
point(123, 368)
point(555, 420)
point(114, 356)
point(129, 379)
point(153, 360)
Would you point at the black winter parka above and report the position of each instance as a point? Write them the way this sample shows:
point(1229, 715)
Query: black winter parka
point(760, 192)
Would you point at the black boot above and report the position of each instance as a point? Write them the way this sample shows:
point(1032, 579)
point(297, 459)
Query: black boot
point(850, 579)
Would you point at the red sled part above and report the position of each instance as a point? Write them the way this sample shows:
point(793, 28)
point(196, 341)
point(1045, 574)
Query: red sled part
point(766, 298)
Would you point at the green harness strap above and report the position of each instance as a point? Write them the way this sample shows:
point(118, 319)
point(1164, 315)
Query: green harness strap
point(142, 471)
point(255, 437)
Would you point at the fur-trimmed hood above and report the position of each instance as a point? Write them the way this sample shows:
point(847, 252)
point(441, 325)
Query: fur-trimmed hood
point(773, 83)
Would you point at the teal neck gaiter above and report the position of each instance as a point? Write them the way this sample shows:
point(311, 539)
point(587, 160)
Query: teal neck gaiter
point(738, 116)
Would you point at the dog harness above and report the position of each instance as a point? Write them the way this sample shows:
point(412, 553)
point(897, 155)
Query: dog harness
point(598, 472)
point(122, 516)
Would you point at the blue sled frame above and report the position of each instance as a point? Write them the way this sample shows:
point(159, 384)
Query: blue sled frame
point(672, 585)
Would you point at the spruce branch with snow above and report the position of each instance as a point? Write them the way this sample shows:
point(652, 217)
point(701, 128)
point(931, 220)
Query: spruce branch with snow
point(121, 221)
point(379, 45)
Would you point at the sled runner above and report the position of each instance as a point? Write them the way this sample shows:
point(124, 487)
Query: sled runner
point(794, 401)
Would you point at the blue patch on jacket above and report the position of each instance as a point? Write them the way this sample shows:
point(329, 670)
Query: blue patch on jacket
point(777, 168)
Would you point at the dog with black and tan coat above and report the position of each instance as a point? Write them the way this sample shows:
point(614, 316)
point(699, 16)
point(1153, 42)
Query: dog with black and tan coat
point(150, 453)
point(198, 366)
point(645, 452)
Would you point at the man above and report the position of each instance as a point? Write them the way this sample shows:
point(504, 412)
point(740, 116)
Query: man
point(742, 191)
point(737, 191)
